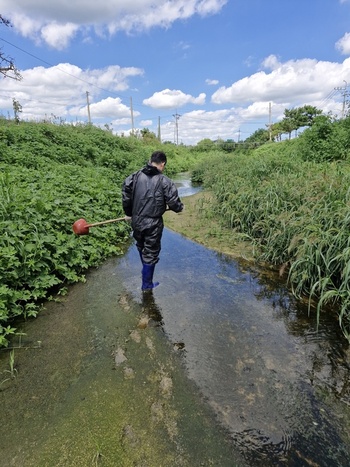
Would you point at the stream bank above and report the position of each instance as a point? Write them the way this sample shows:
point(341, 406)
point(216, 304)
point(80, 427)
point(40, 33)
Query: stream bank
point(220, 365)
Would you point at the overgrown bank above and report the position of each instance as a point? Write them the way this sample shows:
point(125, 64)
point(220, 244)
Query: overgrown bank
point(295, 209)
point(50, 176)
point(290, 200)
point(198, 223)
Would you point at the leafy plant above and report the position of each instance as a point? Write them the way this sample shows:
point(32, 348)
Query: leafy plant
point(50, 176)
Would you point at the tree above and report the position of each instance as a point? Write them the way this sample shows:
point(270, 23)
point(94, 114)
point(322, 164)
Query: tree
point(277, 131)
point(259, 136)
point(7, 66)
point(289, 123)
point(307, 115)
point(299, 117)
point(148, 135)
point(205, 144)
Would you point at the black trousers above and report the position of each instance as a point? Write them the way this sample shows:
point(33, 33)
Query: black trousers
point(148, 240)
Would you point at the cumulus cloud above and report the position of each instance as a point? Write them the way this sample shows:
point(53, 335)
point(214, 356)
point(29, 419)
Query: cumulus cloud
point(61, 90)
point(294, 81)
point(146, 123)
point(198, 124)
point(343, 45)
point(110, 107)
point(58, 22)
point(172, 99)
point(282, 84)
point(58, 36)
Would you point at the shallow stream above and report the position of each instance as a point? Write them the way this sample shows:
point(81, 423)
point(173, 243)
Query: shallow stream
point(219, 366)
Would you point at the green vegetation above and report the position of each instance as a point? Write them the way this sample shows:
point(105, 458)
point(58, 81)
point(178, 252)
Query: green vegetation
point(292, 200)
point(50, 176)
point(293, 120)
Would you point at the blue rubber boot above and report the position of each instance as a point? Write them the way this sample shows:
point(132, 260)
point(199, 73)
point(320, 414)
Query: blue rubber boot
point(147, 277)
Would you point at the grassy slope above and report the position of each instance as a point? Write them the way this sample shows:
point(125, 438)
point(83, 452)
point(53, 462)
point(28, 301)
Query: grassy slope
point(196, 224)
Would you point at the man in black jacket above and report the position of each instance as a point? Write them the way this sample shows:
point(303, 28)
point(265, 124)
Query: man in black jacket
point(146, 194)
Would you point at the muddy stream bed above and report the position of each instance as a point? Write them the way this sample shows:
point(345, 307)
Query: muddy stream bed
point(219, 366)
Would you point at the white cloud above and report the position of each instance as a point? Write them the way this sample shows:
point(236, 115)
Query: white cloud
point(182, 45)
point(58, 36)
point(58, 22)
point(295, 81)
point(343, 45)
point(172, 99)
point(61, 90)
point(244, 105)
point(110, 107)
point(199, 124)
point(271, 63)
point(211, 82)
point(146, 123)
point(122, 122)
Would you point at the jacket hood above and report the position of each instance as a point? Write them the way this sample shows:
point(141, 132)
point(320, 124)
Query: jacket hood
point(150, 170)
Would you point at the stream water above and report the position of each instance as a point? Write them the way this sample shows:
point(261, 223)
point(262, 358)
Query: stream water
point(266, 386)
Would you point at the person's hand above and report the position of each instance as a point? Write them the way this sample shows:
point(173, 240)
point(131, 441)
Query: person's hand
point(128, 219)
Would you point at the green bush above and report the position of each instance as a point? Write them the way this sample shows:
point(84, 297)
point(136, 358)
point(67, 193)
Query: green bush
point(326, 140)
point(52, 175)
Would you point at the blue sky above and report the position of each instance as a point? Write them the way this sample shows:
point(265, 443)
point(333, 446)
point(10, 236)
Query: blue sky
point(216, 64)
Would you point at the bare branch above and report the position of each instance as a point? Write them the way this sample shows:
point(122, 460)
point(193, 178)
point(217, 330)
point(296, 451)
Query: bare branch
point(7, 66)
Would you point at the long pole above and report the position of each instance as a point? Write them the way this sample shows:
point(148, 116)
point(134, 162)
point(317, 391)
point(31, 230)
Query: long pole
point(159, 137)
point(177, 116)
point(88, 106)
point(132, 117)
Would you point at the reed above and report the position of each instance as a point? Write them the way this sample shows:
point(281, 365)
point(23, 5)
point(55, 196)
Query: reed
point(297, 214)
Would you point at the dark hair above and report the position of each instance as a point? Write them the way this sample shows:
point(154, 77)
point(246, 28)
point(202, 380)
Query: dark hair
point(158, 157)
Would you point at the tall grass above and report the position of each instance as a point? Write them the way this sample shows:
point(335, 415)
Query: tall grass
point(296, 212)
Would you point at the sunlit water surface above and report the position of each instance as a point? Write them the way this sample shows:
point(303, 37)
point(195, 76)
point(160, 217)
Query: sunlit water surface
point(280, 384)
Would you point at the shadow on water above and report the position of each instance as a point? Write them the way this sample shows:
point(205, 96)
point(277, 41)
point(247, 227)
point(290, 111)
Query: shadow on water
point(276, 382)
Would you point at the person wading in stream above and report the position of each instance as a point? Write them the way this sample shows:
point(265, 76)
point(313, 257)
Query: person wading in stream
point(146, 194)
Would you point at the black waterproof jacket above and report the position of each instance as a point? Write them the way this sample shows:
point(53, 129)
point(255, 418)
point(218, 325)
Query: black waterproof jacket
point(146, 195)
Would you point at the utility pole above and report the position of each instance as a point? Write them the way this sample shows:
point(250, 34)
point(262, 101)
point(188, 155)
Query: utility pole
point(159, 137)
point(176, 135)
point(344, 93)
point(270, 120)
point(132, 117)
point(88, 107)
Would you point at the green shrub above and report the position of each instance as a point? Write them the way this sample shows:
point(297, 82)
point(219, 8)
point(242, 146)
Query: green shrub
point(52, 175)
point(326, 140)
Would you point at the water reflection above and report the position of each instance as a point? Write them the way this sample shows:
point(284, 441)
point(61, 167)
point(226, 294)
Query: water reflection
point(185, 186)
point(276, 382)
point(151, 309)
